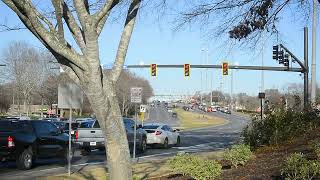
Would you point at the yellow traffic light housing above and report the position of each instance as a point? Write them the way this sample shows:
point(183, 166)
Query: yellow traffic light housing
point(153, 69)
point(186, 70)
point(225, 68)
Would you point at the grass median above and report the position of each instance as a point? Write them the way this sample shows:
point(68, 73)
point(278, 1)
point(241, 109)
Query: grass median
point(191, 120)
point(144, 170)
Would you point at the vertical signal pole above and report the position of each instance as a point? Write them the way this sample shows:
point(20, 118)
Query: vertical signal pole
point(313, 65)
point(306, 71)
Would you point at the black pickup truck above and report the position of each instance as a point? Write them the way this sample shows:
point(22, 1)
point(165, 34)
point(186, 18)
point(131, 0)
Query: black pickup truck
point(26, 140)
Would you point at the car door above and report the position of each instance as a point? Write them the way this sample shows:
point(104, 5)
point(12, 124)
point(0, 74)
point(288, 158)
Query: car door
point(57, 138)
point(166, 131)
point(129, 126)
point(174, 135)
point(45, 141)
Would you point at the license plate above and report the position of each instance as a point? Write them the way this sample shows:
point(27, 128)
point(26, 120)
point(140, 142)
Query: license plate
point(93, 143)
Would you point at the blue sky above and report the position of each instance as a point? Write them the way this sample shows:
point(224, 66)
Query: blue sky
point(156, 42)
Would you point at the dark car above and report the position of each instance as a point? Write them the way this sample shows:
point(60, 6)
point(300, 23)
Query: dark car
point(27, 140)
point(174, 115)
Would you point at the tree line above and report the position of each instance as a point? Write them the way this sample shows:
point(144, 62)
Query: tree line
point(31, 77)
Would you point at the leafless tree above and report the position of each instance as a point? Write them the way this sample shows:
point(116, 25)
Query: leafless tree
point(26, 69)
point(82, 63)
point(243, 19)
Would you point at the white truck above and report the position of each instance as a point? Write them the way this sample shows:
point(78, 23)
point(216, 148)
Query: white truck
point(89, 136)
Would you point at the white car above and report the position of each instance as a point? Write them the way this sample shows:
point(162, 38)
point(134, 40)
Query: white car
point(162, 134)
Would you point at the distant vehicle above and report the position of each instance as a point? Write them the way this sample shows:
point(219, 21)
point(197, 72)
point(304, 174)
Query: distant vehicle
point(74, 127)
point(26, 140)
point(174, 115)
point(169, 110)
point(89, 136)
point(162, 134)
point(152, 104)
point(186, 108)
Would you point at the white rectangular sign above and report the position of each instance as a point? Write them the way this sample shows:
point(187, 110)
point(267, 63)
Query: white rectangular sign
point(136, 94)
point(143, 108)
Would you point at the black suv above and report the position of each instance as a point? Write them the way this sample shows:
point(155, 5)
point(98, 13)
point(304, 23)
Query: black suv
point(26, 140)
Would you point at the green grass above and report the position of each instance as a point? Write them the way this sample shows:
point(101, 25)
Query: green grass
point(190, 120)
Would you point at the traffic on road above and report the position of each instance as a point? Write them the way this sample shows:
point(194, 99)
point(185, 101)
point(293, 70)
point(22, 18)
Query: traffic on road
point(46, 145)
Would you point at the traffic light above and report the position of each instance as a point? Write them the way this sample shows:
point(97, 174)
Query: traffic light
point(153, 68)
point(225, 68)
point(186, 70)
point(281, 57)
point(275, 52)
point(286, 60)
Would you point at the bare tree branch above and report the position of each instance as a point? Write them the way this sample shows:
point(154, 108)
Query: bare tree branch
point(101, 16)
point(27, 14)
point(124, 41)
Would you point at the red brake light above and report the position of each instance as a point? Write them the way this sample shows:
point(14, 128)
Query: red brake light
point(10, 142)
point(158, 132)
point(77, 135)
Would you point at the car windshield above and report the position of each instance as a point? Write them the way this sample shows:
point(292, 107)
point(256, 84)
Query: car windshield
point(150, 127)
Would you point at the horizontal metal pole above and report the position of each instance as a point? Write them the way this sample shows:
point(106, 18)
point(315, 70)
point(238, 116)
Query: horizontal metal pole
point(265, 68)
point(2, 65)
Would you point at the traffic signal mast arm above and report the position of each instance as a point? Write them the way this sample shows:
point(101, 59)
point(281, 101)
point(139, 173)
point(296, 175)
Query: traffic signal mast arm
point(267, 68)
point(295, 58)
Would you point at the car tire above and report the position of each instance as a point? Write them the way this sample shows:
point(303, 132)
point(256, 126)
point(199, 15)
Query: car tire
point(165, 144)
point(85, 152)
point(178, 141)
point(143, 146)
point(24, 160)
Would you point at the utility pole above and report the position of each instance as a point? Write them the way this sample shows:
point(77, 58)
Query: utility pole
point(306, 72)
point(313, 65)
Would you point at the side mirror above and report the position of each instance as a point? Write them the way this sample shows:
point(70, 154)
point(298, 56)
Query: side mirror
point(175, 130)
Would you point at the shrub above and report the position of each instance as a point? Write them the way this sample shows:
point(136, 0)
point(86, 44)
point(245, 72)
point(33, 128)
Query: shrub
point(316, 147)
point(280, 125)
point(195, 167)
point(238, 154)
point(298, 167)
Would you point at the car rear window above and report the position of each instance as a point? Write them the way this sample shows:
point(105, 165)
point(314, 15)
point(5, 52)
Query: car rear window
point(87, 124)
point(150, 127)
point(15, 125)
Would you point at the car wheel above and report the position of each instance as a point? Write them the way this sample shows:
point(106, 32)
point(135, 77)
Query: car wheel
point(24, 160)
point(178, 141)
point(143, 146)
point(165, 143)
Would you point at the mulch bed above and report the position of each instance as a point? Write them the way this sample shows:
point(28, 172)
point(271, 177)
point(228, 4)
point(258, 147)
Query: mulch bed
point(267, 162)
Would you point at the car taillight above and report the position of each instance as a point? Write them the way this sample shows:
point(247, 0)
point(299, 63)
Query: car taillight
point(158, 132)
point(77, 135)
point(10, 142)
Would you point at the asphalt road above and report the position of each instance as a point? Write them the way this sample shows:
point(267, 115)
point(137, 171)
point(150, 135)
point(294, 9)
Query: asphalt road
point(198, 140)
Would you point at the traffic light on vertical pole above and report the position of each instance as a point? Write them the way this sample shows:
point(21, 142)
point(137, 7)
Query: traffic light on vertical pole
point(225, 68)
point(153, 69)
point(186, 70)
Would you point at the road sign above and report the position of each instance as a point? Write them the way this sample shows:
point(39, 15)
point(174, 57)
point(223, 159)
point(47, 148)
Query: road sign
point(143, 108)
point(136, 94)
